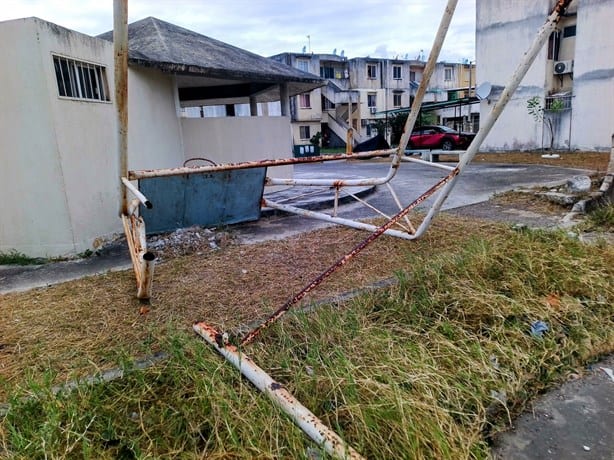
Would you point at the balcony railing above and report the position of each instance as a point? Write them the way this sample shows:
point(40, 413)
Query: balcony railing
point(558, 103)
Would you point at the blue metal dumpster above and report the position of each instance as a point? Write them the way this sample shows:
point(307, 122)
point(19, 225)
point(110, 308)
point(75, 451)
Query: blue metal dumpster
point(206, 199)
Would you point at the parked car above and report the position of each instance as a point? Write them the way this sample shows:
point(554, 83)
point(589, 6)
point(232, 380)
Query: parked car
point(439, 137)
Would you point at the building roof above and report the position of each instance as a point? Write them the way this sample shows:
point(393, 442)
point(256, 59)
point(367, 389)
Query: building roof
point(167, 47)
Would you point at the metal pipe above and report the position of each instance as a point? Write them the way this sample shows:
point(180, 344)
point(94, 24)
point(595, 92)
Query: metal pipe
point(149, 173)
point(333, 219)
point(147, 271)
point(396, 159)
point(400, 206)
point(300, 415)
point(428, 163)
point(137, 193)
point(429, 68)
point(409, 125)
point(120, 47)
point(133, 207)
point(485, 127)
point(126, 221)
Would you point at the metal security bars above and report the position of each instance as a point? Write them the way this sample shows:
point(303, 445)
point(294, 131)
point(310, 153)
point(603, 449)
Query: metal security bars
point(80, 80)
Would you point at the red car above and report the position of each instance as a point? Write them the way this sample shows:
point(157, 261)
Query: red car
point(439, 137)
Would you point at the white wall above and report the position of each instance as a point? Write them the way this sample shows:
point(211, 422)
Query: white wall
point(54, 165)
point(593, 101)
point(504, 31)
point(59, 168)
point(154, 129)
point(237, 139)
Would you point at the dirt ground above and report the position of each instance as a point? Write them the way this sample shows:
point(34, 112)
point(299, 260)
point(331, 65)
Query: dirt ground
point(596, 161)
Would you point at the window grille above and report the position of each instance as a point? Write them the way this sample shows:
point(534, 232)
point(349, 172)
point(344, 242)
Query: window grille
point(81, 80)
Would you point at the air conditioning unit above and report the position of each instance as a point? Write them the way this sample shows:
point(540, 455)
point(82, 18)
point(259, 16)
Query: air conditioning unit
point(372, 109)
point(562, 67)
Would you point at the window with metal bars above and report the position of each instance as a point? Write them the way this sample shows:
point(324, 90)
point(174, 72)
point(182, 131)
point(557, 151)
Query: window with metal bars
point(81, 80)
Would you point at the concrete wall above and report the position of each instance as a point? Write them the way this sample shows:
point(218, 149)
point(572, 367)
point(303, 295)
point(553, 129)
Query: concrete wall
point(59, 176)
point(154, 139)
point(236, 139)
point(504, 31)
point(593, 84)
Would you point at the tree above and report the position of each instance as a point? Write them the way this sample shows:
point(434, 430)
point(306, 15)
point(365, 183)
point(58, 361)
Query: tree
point(315, 139)
point(546, 116)
point(397, 124)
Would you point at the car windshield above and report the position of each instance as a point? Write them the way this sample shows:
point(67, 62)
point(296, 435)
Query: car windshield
point(445, 129)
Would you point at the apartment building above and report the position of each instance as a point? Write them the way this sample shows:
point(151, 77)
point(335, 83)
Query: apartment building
point(572, 78)
point(362, 91)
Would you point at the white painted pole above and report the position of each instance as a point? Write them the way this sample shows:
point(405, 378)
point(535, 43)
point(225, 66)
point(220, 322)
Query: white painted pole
point(303, 417)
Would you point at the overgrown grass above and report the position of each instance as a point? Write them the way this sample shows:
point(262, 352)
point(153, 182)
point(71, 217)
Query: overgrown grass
point(18, 258)
point(602, 218)
point(429, 368)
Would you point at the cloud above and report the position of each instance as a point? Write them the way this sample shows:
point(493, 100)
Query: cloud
point(375, 27)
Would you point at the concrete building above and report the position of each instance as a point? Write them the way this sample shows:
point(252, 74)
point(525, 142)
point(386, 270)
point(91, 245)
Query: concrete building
point(362, 91)
point(59, 180)
point(572, 78)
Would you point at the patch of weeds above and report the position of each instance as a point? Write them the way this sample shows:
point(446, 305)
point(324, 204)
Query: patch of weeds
point(602, 218)
point(85, 254)
point(17, 258)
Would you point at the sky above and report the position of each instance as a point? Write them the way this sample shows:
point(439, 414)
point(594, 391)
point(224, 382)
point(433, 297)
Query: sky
point(375, 28)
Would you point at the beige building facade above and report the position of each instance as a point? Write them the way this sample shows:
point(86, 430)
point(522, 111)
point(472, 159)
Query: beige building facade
point(361, 92)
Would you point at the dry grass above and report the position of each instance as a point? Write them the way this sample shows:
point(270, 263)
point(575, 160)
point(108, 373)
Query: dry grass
point(594, 161)
point(427, 368)
point(84, 326)
point(528, 201)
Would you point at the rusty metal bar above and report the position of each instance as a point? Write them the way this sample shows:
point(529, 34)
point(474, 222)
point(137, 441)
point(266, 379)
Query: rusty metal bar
point(400, 206)
point(149, 173)
point(250, 336)
point(409, 125)
point(137, 193)
point(146, 267)
point(411, 119)
point(300, 415)
point(120, 47)
point(143, 261)
point(485, 126)
point(126, 221)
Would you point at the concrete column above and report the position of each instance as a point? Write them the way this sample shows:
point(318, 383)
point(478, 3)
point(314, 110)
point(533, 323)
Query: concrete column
point(253, 107)
point(285, 100)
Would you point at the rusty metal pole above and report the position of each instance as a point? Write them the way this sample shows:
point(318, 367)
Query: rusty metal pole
point(444, 25)
point(120, 47)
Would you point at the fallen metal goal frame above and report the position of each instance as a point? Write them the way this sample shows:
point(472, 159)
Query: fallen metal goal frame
point(143, 260)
